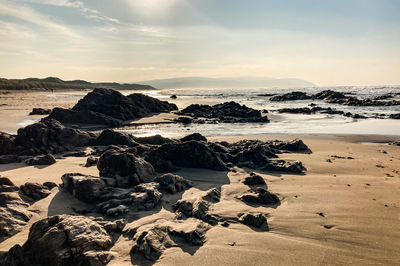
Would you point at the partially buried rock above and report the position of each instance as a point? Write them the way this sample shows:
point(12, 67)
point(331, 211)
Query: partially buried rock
point(40, 111)
point(47, 159)
point(84, 187)
point(260, 195)
point(255, 220)
point(91, 161)
point(194, 136)
point(6, 185)
point(35, 191)
point(254, 179)
point(173, 183)
point(125, 168)
point(63, 240)
point(9, 158)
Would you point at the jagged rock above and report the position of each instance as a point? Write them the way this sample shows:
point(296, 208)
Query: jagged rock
point(84, 187)
point(340, 98)
point(47, 159)
point(285, 166)
point(68, 116)
point(90, 161)
point(260, 195)
point(254, 179)
point(291, 96)
point(173, 183)
point(184, 120)
point(198, 207)
point(194, 136)
point(35, 191)
point(154, 140)
point(13, 213)
point(395, 116)
point(7, 186)
point(255, 220)
point(165, 166)
point(49, 135)
point(296, 145)
point(40, 111)
point(63, 240)
point(152, 241)
point(111, 137)
point(225, 112)
point(125, 168)
point(6, 143)
point(9, 158)
point(193, 154)
point(50, 185)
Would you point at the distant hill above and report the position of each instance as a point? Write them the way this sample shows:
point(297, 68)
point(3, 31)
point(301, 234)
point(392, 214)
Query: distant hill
point(200, 82)
point(59, 84)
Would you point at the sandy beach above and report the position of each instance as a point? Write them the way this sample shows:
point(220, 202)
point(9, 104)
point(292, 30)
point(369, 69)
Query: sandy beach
point(344, 210)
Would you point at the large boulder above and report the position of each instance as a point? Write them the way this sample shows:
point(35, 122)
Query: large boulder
point(125, 168)
point(113, 104)
point(68, 116)
point(192, 154)
point(64, 240)
point(49, 135)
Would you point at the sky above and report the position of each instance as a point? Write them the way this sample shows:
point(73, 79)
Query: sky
point(327, 42)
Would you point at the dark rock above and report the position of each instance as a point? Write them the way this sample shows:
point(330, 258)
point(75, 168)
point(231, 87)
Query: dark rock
point(199, 207)
point(260, 195)
point(49, 135)
point(111, 137)
point(7, 186)
point(285, 166)
point(7, 145)
point(75, 154)
point(151, 242)
point(255, 220)
point(183, 120)
point(296, 145)
point(291, 96)
point(395, 116)
point(173, 183)
point(395, 143)
point(49, 185)
point(91, 161)
point(125, 168)
point(340, 98)
point(165, 166)
point(154, 140)
point(114, 104)
point(194, 136)
point(84, 187)
point(40, 111)
point(192, 154)
point(228, 112)
point(63, 240)
point(13, 213)
point(47, 159)
point(253, 180)
point(173, 96)
point(9, 158)
point(35, 191)
point(68, 116)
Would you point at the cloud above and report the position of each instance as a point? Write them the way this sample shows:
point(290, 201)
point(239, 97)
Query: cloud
point(87, 12)
point(8, 8)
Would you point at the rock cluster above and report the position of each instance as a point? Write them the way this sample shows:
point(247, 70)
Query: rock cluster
point(291, 96)
point(228, 112)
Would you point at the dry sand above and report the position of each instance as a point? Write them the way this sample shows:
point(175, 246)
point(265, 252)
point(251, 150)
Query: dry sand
point(359, 199)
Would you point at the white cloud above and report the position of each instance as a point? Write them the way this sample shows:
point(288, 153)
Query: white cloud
point(88, 12)
point(8, 8)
